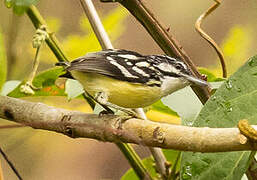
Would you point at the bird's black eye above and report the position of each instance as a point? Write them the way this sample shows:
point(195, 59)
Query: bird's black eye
point(178, 66)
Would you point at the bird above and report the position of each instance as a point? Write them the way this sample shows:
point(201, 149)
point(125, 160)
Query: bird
point(124, 80)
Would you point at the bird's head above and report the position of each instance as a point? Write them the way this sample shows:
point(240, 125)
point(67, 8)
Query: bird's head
point(171, 67)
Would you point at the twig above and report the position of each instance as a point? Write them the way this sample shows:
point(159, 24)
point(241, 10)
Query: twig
point(251, 172)
point(105, 43)
point(208, 38)
point(163, 38)
point(161, 162)
point(174, 167)
point(10, 164)
point(157, 153)
point(52, 42)
point(111, 128)
point(132, 157)
point(96, 24)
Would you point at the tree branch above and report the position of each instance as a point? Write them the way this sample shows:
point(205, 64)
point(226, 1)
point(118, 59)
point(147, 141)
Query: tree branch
point(120, 129)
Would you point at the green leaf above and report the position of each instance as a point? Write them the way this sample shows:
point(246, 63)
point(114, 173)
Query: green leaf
point(159, 106)
point(46, 83)
point(171, 156)
point(9, 86)
point(73, 89)
point(19, 6)
point(233, 101)
point(3, 62)
point(216, 85)
point(185, 103)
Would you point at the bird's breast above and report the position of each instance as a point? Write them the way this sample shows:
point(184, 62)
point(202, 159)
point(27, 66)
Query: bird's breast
point(121, 93)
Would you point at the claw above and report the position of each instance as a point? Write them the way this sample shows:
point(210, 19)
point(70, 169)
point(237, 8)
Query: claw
point(133, 114)
point(120, 120)
point(104, 112)
point(28, 88)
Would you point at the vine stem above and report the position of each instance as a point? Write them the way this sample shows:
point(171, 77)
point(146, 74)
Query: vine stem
point(105, 43)
point(209, 39)
point(52, 41)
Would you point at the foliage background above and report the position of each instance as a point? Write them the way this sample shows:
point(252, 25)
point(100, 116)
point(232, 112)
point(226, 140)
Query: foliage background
point(47, 155)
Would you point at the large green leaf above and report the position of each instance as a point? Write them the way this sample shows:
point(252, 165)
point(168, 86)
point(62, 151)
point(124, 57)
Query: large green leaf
point(185, 103)
point(19, 6)
point(3, 63)
point(46, 83)
point(236, 99)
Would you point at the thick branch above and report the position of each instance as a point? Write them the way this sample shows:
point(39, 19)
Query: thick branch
point(111, 128)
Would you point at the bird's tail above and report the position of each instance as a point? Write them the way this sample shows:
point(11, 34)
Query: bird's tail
point(64, 64)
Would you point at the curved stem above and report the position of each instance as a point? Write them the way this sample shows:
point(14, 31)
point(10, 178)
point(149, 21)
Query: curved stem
point(209, 39)
point(35, 66)
point(52, 42)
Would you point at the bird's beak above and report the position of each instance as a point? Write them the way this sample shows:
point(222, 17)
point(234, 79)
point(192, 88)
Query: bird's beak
point(194, 80)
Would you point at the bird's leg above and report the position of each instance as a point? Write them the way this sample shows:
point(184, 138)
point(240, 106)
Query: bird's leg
point(102, 98)
point(107, 109)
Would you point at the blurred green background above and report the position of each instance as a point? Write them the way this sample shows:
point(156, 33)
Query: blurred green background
point(47, 155)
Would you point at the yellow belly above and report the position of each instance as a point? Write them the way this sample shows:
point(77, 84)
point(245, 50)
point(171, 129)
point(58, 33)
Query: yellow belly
point(124, 94)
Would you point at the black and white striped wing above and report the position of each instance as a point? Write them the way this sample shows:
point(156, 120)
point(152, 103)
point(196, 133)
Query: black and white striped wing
point(119, 64)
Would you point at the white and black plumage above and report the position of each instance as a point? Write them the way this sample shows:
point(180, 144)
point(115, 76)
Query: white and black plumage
point(129, 79)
